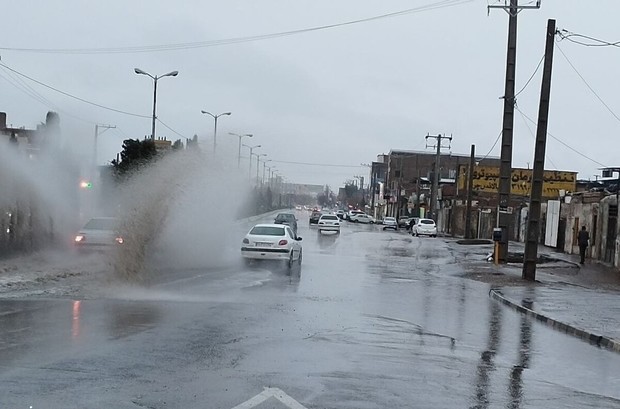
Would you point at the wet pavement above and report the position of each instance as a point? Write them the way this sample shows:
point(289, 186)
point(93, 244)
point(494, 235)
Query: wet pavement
point(372, 319)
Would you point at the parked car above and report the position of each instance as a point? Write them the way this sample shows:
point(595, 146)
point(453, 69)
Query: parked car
point(329, 222)
point(425, 227)
point(315, 216)
point(99, 233)
point(352, 213)
point(272, 242)
point(363, 218)
point(341, 214)
point(288, 219)
point(390, 223)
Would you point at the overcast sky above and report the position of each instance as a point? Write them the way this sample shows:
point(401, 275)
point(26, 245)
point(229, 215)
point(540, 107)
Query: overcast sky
point(338, 96)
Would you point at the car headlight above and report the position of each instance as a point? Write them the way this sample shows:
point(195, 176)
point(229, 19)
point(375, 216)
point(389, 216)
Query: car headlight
point(246, 241)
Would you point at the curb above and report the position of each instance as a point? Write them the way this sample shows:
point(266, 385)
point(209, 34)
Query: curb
point(594, 339)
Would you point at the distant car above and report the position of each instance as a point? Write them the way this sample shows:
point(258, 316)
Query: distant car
point(272, 242)
point(315, 216)
point(390, 223)
point(329, 222)
point(341, 214)
point(412, 222)
point(425, 227)
point(288, 219)
point(99, 233)
point(363, 218)
point(298, 207)
point(352, 213)
point(403, 221)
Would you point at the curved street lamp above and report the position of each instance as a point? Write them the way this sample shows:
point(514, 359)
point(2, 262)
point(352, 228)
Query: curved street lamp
point(258, 155)
point(155, 78)
point(249, 135)
point(251, 148)
point(215, 116)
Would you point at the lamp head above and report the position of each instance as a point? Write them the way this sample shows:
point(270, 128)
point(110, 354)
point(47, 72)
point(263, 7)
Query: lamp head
point(139, 71)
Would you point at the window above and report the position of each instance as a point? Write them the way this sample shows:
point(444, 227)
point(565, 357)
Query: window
point(267, 231)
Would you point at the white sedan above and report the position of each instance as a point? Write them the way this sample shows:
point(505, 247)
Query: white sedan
point(390, 223)
point(329, 222)
point(272, 242)
point(363, 218)
point(425, 226)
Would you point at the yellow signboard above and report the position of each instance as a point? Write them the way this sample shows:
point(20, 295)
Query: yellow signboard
point(486, 179)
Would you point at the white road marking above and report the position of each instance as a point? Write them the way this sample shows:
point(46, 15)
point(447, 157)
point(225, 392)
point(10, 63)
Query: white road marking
point(276, 393)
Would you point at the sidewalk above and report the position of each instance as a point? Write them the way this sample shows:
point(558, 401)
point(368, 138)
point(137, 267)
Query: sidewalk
point(581, 300)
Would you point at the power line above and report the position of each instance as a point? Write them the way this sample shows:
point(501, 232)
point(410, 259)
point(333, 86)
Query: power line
point(564, 143)
point(235, 40)
point(534, 136)
point(492, 147)
point(567, 35)
point(316, 164)
point(532, 76)
point(172, 130)
point(72, 96)
point(588, 85)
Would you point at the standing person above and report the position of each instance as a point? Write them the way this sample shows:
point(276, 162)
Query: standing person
point(582, 239)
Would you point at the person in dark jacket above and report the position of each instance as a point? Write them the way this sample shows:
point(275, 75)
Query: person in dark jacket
point(582, 239)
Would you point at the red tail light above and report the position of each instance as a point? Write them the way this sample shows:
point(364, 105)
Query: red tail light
point(282, 243)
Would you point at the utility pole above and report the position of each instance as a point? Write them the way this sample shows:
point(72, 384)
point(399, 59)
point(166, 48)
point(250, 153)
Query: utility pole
point(435, 188)
point(505, 169)
point(530, 255)
point(105, 128)
point(470, 188)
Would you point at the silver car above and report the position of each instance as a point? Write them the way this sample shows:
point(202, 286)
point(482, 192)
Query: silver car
point(99, 233)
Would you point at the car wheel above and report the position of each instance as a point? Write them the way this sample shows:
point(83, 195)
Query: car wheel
point(290, 260)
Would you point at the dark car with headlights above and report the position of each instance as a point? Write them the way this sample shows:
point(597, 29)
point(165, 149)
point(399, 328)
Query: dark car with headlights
point(315, 216)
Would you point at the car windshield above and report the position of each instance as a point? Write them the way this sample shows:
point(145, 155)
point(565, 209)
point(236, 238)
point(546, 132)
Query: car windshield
point(426, 221)
point(267, 231)
point(390, 219)
point(329, 217)
point(101, 224)
point(285, 217)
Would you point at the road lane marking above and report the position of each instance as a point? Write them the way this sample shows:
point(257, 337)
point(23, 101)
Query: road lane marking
point(276, 393)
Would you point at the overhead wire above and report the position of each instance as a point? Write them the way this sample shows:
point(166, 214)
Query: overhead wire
point(315, 164)
point(567, 35)
point(172, 130)
point(587, 85)
point(493, 147)
point(531, 76)
point(527, 125)
point(564, 143)
point(72, 96)
point(235, 40)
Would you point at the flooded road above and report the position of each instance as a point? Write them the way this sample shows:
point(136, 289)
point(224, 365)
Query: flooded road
point(373, 319)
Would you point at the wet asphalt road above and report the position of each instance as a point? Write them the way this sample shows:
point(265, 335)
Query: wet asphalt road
point(374, 319)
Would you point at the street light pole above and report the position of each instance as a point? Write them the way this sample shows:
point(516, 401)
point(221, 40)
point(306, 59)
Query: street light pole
point(251, 148)
point(249, 135)
point(258, 164)
point(215, 116)
point(264, 167)
point(155, 78)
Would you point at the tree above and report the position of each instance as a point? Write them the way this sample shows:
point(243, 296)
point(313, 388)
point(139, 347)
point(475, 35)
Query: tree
point(135, 155)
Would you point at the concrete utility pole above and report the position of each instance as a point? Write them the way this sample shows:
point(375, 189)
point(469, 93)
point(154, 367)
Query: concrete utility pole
point(470, 188)
point(530, 255)
point(435, 188)
point(505, 169)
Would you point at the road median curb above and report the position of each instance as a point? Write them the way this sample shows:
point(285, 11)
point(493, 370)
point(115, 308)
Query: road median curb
point(595, 339)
